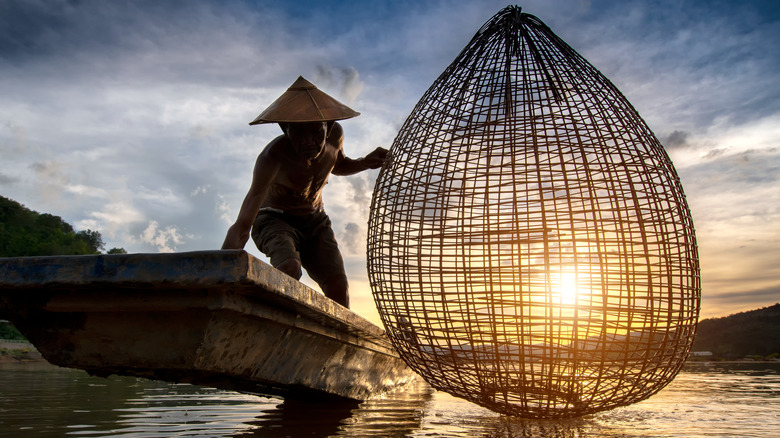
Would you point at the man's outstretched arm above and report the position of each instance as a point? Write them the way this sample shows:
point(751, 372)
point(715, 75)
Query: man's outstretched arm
point(348, 166)
point(263, 175)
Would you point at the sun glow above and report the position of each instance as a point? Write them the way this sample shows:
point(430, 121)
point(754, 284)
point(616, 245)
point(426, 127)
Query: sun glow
point(565, 287)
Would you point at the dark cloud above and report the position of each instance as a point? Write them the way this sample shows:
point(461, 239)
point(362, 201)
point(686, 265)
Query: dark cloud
point(185, 42)
point(745, 170)
point(729, 303)
point(676, 140)
point(767, 295)
point(25, 27)
point(7, 180)
point(361, 189)
point(725, 303)
point(670, 57)
point(714, 153)
point(352, 239)
point(50, 172)
point(344, 81)
point(34, 29)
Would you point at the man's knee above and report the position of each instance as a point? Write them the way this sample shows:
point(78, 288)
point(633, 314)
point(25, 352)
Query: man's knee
point(291, 267)
point(337, 289)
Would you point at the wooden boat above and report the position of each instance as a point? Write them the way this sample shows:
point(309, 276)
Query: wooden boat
point(215, 318)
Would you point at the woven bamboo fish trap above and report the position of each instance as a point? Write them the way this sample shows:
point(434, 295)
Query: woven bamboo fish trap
point(530, 246)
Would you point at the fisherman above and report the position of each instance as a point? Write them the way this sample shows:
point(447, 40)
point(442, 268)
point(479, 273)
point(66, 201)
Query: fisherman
point(284, 206)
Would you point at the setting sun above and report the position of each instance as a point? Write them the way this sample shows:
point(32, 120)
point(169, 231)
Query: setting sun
point(565, 288)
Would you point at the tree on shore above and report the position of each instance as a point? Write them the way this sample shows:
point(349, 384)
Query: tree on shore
point(24, 232)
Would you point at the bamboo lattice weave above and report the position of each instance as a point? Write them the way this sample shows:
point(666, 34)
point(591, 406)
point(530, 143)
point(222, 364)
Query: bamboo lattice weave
point(530, 246)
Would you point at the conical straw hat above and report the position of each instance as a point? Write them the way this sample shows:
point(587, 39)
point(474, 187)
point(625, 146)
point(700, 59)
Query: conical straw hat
point(304, 102)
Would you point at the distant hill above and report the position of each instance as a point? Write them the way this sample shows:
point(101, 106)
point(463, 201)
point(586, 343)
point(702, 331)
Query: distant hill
point(752, 333)
point(24, 232)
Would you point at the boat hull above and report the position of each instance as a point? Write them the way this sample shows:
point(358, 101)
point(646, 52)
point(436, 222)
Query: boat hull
point(215, 318)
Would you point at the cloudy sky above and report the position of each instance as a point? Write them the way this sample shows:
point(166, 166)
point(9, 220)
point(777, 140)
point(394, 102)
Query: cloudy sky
point(131, 117)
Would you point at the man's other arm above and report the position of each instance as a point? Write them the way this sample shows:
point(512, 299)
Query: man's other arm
point(263, 175)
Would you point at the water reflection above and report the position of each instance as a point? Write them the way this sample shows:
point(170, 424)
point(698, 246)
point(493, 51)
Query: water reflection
point(43, 400)
point(186, 410)
point(397, 413)
point(449, 416)
point(299, 418)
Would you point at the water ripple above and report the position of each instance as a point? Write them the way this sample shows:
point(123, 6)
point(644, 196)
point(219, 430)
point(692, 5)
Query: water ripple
point(44, 401)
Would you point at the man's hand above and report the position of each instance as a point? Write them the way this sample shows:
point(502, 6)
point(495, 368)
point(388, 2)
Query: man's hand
point(375, 159)
point(235, 238)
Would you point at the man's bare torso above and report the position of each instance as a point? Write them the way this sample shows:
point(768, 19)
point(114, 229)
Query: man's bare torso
point(297, 187)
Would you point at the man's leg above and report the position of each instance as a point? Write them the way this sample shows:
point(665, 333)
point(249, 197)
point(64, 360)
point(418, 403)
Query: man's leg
point(291, 267)
point(322, 259)
point(337, 289)
point(277, 239)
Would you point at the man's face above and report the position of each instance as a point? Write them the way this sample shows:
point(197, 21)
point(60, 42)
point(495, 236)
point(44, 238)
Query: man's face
point(307, 139)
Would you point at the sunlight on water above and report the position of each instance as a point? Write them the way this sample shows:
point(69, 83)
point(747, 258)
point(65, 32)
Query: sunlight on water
point(39, 400)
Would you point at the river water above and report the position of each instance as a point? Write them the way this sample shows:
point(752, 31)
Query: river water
point(40, 400)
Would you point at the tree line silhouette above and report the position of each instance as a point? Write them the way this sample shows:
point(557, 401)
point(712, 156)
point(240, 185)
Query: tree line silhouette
point(753, 334)
point(24, 232)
